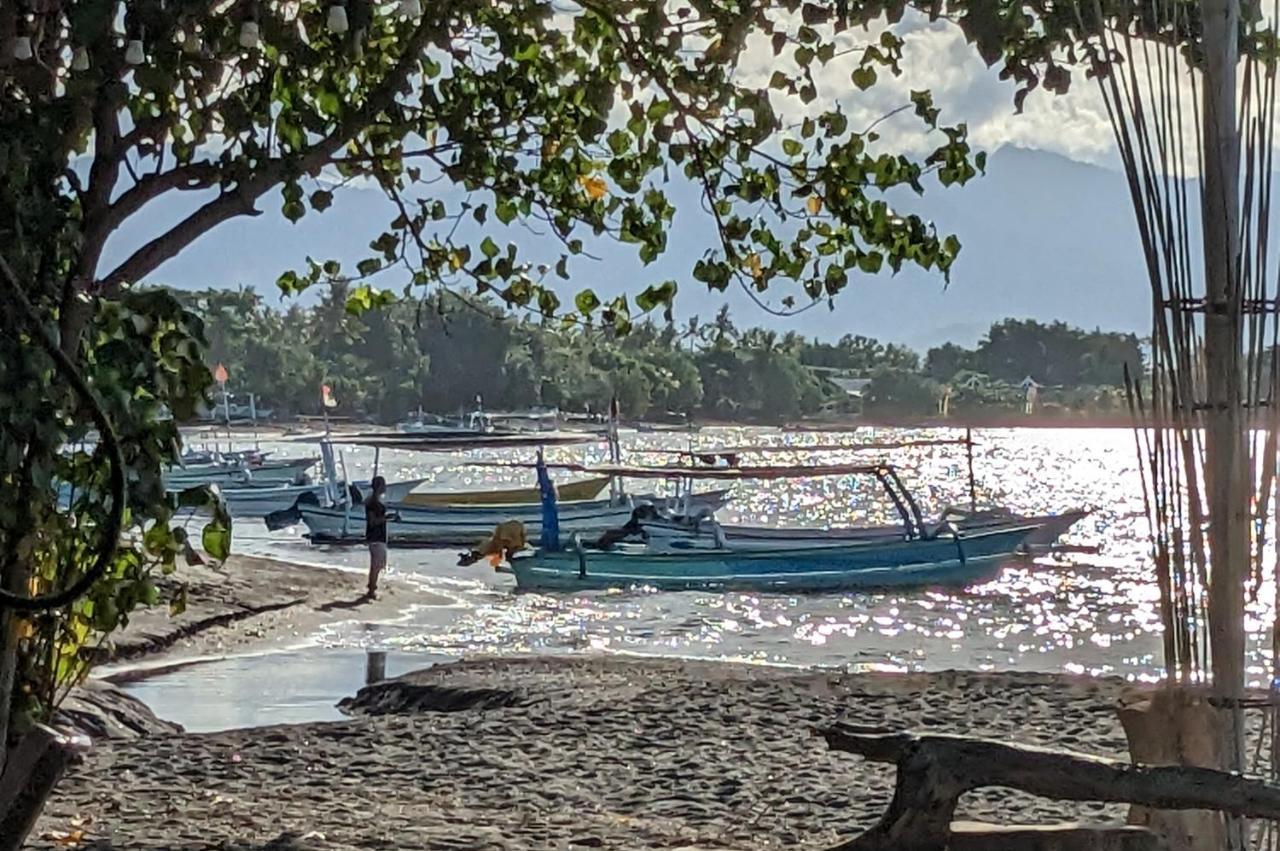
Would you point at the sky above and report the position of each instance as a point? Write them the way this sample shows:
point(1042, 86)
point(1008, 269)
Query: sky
point(1047, 233)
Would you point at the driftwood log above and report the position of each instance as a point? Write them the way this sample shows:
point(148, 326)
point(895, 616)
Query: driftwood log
point(935, 770)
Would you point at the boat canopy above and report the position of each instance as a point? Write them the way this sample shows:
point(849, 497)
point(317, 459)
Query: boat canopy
point(903, 501)
point(730, 453)
point(452, 442)
point(640, 471)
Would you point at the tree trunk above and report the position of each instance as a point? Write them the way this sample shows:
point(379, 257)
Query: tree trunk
point(1227, 472)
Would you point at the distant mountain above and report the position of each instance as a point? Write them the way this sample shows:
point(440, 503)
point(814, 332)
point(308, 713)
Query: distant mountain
point(1044, 237)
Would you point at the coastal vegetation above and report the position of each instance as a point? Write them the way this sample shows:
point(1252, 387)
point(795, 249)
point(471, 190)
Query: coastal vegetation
point(490, 113)
point(477, 112)
point(442, 352)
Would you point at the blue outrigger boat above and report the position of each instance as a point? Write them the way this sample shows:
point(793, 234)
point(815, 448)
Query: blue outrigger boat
point(917, 556)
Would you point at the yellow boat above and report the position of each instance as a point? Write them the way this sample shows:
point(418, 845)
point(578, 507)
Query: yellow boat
point(568, 492)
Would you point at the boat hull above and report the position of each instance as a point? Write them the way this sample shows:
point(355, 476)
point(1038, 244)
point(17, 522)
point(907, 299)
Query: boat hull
point(467, 524)
point(261, 501)
point(585, 489)
point(939, 562)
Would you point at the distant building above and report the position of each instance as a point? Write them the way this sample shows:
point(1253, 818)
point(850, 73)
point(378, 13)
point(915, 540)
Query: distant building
point(1031, 388)
point(854, 388)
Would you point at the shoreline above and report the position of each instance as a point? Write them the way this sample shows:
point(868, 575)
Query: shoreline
point(527, 753)
point(590, 750)
point(252, 605)
point(289, 430)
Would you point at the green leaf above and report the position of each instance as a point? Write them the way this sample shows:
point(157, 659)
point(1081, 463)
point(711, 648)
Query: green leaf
point(791, 147)
point(321, 200)
point(586, 302)
point(864, 77)
point(216, 539)
point(619, 142)
point(489, 248)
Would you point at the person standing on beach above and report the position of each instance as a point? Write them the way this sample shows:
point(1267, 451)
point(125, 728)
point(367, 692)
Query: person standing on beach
point(375, 532)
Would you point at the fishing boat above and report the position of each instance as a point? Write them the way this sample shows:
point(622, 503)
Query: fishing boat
point(584, 489)
point(914, 555)
point(1048, 528)
point(944, 560)
point(257, 500)
point(236, 471)
point(417, 525)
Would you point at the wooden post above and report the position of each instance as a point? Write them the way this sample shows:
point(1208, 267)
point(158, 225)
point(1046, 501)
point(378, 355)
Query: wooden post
point(1227, 471)
point(375, 666)
point(973, 485)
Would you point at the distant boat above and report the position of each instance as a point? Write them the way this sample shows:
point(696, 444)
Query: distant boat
point(667, 428)
point(945, 560)
point(419, 422)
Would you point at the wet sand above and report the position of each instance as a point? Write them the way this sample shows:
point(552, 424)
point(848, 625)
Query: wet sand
point(251, 605)
point(588, 751)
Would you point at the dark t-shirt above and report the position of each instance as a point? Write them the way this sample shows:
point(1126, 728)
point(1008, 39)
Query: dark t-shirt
point(375, 520)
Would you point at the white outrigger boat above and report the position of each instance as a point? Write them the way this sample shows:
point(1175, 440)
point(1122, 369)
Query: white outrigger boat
point(431, 520)
point(259, 500)
point(416, 525)
point(239, 470)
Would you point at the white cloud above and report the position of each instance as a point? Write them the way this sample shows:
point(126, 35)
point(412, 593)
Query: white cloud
point(937, 57)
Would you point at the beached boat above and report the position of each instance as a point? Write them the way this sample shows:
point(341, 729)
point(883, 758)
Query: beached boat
point(584, 489)
point(946, 560)
point(411, 525)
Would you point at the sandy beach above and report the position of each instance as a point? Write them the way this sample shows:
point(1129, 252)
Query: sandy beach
point(536, 752)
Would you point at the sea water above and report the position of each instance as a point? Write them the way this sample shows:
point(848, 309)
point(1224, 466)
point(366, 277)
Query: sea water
point(1091, 610)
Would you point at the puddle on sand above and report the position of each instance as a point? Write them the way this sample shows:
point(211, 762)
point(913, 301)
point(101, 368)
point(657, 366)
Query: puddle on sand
point(293, 687)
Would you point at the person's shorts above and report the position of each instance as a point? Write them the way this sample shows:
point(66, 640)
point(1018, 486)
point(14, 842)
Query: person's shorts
point(378, 553)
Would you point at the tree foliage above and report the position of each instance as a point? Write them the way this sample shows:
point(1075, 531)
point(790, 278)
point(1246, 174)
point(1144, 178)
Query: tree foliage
point(1051, 354)
point(575, 120)
point(443, 352)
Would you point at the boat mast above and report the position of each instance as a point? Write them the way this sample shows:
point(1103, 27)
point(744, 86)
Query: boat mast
point(973, 487)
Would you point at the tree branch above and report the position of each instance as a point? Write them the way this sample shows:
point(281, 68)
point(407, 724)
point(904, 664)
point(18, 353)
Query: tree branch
point(241, 200)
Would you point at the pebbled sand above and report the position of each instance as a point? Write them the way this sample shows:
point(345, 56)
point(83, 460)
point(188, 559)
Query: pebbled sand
point(595, 752)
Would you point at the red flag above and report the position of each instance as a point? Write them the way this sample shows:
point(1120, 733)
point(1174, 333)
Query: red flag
point(220, 374)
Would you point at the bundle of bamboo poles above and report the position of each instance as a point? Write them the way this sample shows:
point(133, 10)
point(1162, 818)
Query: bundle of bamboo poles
point(1194, 124)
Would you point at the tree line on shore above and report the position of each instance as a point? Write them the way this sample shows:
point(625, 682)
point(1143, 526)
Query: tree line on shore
point(442, 352)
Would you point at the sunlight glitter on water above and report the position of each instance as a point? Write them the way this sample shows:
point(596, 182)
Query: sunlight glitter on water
point(1083, 611)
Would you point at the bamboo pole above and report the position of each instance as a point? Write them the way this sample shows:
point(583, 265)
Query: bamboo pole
point(1227, 472)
